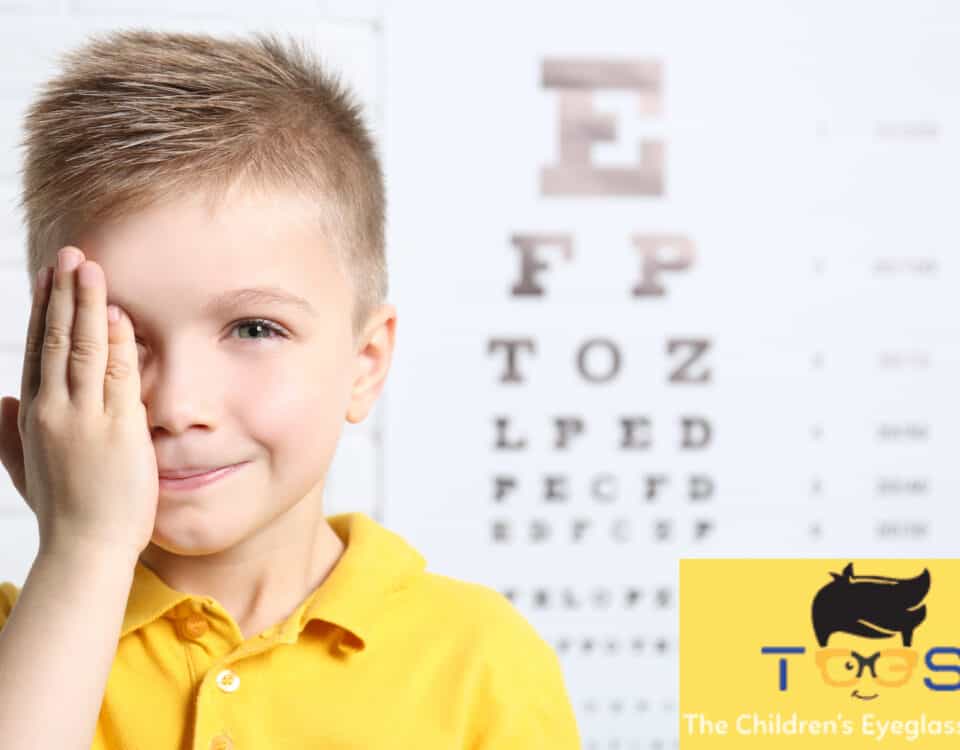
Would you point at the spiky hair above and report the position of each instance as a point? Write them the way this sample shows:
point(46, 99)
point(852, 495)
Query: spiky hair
point(139, 116)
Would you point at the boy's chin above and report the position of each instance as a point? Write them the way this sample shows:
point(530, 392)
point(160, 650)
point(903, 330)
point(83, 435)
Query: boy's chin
point(173, 534)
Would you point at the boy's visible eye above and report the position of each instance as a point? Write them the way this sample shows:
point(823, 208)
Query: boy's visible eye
point(259, 324)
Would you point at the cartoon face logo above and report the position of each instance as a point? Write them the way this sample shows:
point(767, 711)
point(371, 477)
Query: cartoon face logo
point(857, 610)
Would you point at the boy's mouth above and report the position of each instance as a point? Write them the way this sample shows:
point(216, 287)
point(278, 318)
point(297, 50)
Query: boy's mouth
point(190, 479)
point(190, 471)
point(183, 472)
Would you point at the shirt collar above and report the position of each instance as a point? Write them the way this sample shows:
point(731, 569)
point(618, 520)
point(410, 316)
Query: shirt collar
point(375, 563)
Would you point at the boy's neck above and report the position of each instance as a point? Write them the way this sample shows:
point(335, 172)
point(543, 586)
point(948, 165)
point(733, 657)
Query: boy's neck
point(256, 594)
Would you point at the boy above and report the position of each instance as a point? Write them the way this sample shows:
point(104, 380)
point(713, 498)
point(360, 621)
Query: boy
point(188, 591)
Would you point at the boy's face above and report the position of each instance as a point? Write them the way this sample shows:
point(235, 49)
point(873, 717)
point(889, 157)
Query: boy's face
point(218, 392)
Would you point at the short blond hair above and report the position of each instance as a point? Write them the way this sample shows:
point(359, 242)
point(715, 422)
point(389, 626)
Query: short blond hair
point(138, 116)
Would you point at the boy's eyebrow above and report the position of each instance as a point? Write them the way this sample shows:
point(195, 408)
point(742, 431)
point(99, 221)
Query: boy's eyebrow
point(268, 295)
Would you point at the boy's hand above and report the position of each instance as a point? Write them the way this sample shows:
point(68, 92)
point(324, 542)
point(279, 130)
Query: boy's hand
point(81, 455)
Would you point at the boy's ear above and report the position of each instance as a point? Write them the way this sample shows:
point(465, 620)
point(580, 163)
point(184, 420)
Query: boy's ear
point(373, 359)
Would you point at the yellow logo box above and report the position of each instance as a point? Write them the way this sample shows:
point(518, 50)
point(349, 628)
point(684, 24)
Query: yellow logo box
point(843, 653)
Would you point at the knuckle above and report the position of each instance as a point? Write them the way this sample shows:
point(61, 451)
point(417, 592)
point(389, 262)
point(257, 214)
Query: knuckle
point(56, 337)
point(43, 415)
point(86, 416)
point(118, 369)
point(34, 346)
point(84, 349)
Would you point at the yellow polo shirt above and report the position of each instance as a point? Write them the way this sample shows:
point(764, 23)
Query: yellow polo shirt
point(383, 654)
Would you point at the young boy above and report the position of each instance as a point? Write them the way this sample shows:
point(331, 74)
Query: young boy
point(207, 188)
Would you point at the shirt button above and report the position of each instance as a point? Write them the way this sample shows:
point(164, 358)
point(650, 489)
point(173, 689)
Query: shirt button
point(221, 742)
point(194, 626)
point(228, 681)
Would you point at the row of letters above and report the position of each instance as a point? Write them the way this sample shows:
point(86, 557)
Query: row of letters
point(590, 530)
point(604, 487)
point(613, 646)
point(597, 597)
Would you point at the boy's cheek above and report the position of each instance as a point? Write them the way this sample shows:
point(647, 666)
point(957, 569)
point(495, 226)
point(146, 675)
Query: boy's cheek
point(292, 409)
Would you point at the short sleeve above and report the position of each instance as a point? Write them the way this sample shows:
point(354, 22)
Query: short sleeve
point(522, 701)
point(8, 597)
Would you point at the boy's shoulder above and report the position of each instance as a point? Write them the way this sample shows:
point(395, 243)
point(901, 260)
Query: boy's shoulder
point(518, 695)
point(479, 615)
point(386, 572)
point(468, 599)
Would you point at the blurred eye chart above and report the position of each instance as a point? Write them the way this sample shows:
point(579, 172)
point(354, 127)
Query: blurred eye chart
point(673, 280)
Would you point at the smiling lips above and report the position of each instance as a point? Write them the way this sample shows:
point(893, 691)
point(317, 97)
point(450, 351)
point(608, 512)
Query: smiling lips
point(191, 481)
point(188, 472)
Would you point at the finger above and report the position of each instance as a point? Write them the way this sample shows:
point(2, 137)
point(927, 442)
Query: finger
point(11, 449)
point(54, 360)
point(88, 350)
point(30, 376)
point(121, 382)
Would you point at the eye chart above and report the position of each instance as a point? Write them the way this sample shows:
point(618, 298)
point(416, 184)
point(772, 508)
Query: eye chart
point(673, 280)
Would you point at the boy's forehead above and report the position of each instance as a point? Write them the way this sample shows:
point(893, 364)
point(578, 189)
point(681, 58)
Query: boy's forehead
point(251, 240)
point(251, 222)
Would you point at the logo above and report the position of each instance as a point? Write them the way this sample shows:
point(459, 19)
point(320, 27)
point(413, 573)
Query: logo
point(846, 654)
point(850, 615)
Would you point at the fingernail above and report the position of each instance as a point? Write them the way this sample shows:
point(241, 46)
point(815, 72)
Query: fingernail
point(68, 259)
point(113, 312)
point(86, 274)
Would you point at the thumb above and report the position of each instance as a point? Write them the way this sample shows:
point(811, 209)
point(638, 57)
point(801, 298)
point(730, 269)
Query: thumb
point(11, 449)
